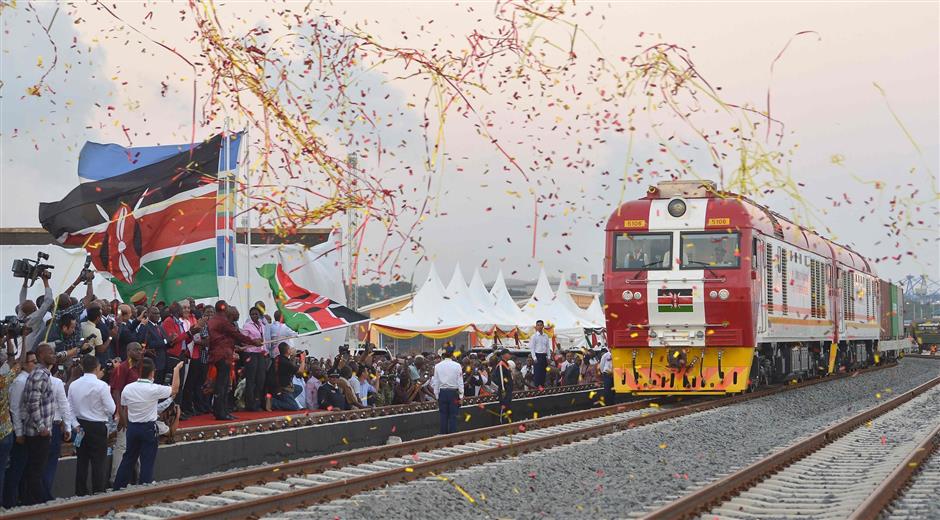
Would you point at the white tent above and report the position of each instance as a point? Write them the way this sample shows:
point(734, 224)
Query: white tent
point(481, 299)
point(506, 306)
point(563, 300)
point(429, 310)
point(595, 312)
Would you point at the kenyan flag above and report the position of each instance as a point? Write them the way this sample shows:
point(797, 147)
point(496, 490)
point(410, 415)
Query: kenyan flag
point(675, 300)
point(304, 311)
point(152, 229)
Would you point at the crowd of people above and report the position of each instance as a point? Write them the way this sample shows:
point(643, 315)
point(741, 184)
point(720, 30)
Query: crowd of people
point(97, 372)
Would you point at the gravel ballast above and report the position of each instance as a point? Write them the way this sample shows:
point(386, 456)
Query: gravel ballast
point(626, 473)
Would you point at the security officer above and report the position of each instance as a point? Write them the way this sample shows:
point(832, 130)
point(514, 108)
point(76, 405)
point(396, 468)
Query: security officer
point(447, 384)
point(502, 378)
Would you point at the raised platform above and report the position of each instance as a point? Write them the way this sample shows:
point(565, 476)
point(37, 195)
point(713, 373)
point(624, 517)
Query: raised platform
point(243, 445)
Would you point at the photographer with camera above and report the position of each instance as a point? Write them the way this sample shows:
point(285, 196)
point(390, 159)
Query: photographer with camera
point(64, 307)
point(32, 314)
point(70, 342)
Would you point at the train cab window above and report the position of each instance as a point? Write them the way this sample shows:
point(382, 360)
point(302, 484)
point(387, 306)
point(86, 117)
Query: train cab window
point(642, 251)
point(710, 250)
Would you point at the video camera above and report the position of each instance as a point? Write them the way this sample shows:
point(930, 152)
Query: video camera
point(86, 270)
point(32, 269)
point(11, 326)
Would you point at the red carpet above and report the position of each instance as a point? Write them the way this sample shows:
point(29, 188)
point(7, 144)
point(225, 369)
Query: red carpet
point(209, 420)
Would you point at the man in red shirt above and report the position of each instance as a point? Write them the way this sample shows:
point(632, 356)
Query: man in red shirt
point(124, 374)
point(223, 336)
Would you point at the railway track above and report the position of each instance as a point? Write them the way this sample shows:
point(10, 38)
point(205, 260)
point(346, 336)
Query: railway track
point(918, 481)
point(255, 491)
point(848, 470)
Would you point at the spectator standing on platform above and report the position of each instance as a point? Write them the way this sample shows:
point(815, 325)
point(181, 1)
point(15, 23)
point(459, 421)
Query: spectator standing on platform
point(38, 410)
point(607, 377)
point(447, 383)
point(63, 423)
point(156, 343)
point(124, 374)
point(18, 453)
point(330, 396)
point(93, 327)
point(177, 333)
point(126, 330)
point(139, 411)
point(7, 434)
point(256, 363)
point(92, 405)
point(222, 339)
point(193, 401)
point(502, 378)
point(540, 344)
point(33, 314)
point(279, 333)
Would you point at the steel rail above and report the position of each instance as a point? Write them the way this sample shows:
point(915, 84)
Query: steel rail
point(895, 483)
point(302, 497)
point(188, 488)
point(698, 502)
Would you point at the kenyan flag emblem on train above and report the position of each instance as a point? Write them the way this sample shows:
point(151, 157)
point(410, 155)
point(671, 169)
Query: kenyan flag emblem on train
point(675, 300)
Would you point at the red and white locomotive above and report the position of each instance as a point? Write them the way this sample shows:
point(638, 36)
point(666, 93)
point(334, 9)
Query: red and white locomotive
point(707, 292)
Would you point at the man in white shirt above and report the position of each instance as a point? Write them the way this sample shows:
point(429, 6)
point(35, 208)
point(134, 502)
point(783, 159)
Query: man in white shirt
point(63, 422)
point(92, 405)
point(278, 333)
point(139, 410)
point(607, 377)
point(541, 345)
point(447, 384)
point(18, 454)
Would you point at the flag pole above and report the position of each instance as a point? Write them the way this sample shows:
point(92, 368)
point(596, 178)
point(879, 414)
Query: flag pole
point(223, 189)
point(244, 162)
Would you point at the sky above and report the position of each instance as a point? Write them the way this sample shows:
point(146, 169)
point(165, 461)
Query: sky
point(857, 95)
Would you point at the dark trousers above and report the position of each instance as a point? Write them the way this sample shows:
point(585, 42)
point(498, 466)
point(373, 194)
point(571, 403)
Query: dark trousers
point(37, 448)
point(171, 362)
point(6, 446)
point(52, 463)
point(141, 445)
point(13, 484)
point(221, 389)
point(448, 404)
point(255, 368)
point(192, 400)
point(93, 452)
point(541, 363)
point(608, 380)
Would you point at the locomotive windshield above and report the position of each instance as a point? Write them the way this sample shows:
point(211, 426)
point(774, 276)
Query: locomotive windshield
point(642, 251)
point(710, 250)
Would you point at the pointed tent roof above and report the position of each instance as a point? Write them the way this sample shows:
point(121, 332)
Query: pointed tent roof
point(563, 298)
point(595, 312)
point(458, 296)
point(429, 309)
point(557, 309)
point(506, 305)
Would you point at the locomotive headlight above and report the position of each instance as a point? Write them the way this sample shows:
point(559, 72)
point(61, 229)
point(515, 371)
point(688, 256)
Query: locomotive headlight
point(676, 207)
point(653, 334)
point(627, 295)
point(723, 294)
point(637, 295)
point(699, 334)
point(713, 294)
